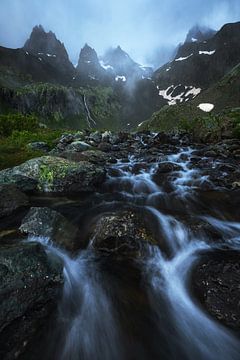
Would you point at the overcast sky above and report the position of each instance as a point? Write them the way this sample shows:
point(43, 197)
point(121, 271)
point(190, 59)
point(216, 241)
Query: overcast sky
point(141, 27)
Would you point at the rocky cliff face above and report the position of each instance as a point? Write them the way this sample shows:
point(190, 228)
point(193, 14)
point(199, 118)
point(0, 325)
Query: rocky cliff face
point(89, 69)
point(47, 47)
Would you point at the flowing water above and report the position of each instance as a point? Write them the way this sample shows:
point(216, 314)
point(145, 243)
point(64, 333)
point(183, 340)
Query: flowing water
point(145, 310)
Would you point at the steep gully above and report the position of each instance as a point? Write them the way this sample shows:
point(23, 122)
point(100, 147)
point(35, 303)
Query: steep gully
point(145, 308)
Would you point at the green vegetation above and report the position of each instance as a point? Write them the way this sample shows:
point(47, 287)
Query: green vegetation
point(17, 122)
point(209, 127)
point(16, 131)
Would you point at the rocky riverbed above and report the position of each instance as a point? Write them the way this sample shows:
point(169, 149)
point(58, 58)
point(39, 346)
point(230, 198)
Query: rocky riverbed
point(89, 217)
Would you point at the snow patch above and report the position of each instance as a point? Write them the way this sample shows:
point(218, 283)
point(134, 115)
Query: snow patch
point(210, 52)
point(122, 78)
point(206, 107)
point(194, 40)
point(140, 124)
point(40, 59)
point(169, 68)
point(26, 52)
point(167, 94)
point(184, 58)
point(106, 67)
point(193, 91)
point(51, 55)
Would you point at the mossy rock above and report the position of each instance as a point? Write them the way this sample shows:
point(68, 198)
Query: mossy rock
point(54, 174)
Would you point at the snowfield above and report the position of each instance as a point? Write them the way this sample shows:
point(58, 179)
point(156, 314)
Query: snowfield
point(207, 107)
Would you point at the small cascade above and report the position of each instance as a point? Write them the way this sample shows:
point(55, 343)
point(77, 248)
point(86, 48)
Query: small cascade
point(87, 326)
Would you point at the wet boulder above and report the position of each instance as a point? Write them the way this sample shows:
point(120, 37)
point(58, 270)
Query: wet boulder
point(31, 283)
point(123, 234)
point(78, 146)
point(49, 223)
point(11, 199)
point(96, 137)
point(216, 280)
point(105, 146)
point(54, 174)
point(164, 174)
point(167, 167)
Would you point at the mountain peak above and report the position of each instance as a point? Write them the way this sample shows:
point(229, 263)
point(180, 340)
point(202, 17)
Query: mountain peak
point(38, 28)
point(46, 46)
point(199, 33)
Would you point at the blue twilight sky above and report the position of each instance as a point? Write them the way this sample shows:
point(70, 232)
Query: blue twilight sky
point(141, 27)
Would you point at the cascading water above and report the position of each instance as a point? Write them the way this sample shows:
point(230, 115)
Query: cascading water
point(86, 324)
point(88, 318)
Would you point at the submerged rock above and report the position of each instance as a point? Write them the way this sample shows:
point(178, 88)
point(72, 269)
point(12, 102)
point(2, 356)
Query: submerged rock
point(54, 174)
point(50, 224)
point(124, 233)
point(11, 199)
point(216, 280)
point(29, 290)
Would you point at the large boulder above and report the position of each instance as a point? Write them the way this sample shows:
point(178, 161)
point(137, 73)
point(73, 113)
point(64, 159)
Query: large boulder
point(54, 174)
point(216, 280)
point(124, 233)
point(92, 156)
point(50, 224)
point(11, 199)
point(30, 287)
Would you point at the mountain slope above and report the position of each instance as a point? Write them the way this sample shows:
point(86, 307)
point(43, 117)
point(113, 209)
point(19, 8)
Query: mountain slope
point(198, 65)
point(221, 98)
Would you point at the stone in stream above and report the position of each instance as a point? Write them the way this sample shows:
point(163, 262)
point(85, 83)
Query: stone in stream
point(166, 167)
point(11, 199)
point(31, 282)
point(216, 283)
point(123, 234)
point(49, 223)
point(54, 174)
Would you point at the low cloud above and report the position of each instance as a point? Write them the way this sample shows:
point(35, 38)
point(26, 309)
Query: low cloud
point(146, 29)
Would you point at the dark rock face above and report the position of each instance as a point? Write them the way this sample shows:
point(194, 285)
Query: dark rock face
point(29, 65)
point(123, 233)
point(50, 224)
point(47, 47)
point(11, 199)
point(216, 280)
point(29, 290)
point(88, 68)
